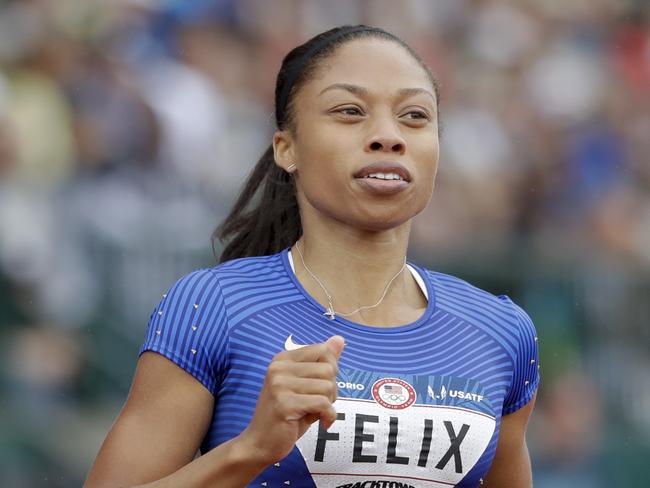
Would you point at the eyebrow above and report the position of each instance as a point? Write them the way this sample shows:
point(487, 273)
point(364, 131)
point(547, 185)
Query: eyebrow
point(361, 91)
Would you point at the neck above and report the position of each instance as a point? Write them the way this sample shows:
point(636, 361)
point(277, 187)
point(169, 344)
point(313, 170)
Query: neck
point(354, 267)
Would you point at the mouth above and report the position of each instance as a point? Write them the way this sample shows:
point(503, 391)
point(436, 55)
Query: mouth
point(385, 170)
point(383, 178)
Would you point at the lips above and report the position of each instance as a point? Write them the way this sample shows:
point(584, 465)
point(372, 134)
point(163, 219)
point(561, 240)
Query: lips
point(381, 187)
point(384, 167)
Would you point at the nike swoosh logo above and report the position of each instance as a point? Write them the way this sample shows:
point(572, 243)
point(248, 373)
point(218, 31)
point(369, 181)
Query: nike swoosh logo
point(289, 345)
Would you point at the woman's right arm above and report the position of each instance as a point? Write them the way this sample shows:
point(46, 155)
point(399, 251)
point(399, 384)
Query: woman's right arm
point(158, 432)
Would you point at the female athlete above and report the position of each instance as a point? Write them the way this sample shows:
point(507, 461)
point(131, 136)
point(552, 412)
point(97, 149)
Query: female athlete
point(315, 354)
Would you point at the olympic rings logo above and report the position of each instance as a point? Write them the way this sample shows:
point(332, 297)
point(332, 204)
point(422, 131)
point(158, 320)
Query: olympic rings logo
point(393, 393)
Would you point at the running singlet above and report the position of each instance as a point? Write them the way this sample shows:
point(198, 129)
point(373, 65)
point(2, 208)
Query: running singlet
point(419, 405)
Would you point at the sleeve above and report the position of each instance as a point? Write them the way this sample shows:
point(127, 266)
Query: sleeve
point(189, 327)
point(526, 377)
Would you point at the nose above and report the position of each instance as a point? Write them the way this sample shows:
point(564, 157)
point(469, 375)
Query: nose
point(386, 137)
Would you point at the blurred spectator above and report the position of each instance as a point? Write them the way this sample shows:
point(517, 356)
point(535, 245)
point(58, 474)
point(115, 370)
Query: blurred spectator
point(569, 453)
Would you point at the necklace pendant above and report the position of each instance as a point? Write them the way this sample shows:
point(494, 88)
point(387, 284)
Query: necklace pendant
point(330, 313)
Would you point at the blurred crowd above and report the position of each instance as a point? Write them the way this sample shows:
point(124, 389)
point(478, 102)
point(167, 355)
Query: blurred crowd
point(127, 127)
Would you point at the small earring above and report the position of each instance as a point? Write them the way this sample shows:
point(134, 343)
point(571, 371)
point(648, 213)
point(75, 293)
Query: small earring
point(291, 166)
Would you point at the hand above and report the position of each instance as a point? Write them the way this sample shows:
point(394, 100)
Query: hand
point(299, 388)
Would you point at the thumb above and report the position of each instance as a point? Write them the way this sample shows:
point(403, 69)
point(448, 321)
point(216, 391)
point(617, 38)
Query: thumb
point(336, 344)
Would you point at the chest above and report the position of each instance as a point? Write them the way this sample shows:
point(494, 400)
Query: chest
point(428, 428)
point(421, 408)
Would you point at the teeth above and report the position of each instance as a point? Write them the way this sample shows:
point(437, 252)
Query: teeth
point(385, 176)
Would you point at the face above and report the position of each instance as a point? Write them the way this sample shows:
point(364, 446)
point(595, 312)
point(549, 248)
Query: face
point(365, 138)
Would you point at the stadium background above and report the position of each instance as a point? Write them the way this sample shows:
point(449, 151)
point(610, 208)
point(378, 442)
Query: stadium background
point(127, 126)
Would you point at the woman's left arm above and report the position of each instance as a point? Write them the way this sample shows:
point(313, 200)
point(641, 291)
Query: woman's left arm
point(511, 465)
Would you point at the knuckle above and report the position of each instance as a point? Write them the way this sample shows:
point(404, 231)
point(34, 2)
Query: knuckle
point(324, 352)
point(281, 356)
point(275, 382)
point(324, 403)
point(276, 367)
point(329, 370)
point(272, 368)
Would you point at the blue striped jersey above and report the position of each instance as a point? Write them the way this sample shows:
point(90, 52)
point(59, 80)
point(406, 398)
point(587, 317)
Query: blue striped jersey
point(419, 405)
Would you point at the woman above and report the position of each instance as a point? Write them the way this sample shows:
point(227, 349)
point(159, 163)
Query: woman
point(436, 380)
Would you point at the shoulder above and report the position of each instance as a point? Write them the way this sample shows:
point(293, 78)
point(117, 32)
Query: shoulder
point(251, 267)
point(497, 315)
point(242, 286)
point(452, 292)
point(222, 276)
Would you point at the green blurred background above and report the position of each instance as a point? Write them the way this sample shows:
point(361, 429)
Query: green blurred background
point(126, 128)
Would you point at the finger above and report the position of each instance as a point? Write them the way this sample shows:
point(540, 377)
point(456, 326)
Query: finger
point(336, 344)
point(323, 371)
point(326, 424)
point(310, 386)
point(312, 354)
point(304, 405)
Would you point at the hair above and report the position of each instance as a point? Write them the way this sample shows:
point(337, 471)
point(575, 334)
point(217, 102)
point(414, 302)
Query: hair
point(265, 217)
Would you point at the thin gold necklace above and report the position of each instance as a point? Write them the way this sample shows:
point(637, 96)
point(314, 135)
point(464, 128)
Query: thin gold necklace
point(330, 309)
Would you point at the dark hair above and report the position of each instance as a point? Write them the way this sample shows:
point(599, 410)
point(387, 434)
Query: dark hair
point(265, 218)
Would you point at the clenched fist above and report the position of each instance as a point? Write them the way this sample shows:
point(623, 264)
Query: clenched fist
point(299, 388)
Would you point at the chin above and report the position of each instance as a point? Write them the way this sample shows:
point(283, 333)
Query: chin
point(371, 217)
point(379, 223)
point(375, 219)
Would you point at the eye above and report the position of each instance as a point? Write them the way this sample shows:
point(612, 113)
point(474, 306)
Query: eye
point(417, 115)
point(349, 111)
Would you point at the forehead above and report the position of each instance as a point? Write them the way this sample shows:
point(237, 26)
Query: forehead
point(380, 65)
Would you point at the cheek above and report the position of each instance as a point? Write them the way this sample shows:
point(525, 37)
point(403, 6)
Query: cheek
point(326, 157)
point(428, 156)
point(427, 174)
point(319, 180)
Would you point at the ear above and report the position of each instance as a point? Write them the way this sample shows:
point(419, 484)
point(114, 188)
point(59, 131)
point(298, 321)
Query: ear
point(283, 150)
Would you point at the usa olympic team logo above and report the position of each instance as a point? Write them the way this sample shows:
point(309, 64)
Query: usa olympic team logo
point(393, 393)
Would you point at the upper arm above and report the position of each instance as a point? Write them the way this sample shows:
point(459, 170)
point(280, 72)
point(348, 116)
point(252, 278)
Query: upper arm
point(170, 405)
point(511, 465)
point(525, 378)
point(160, 428)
